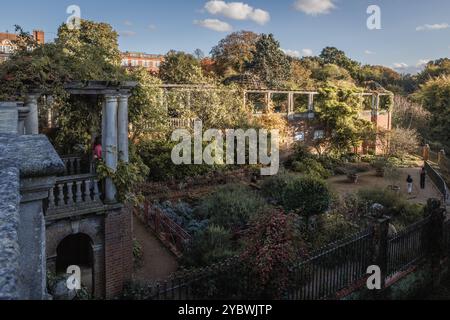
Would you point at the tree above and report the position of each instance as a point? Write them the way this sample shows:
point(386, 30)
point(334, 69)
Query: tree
point(269, 62)
point(147, 114)
point(233, 52)
point(338, 109)
point(399, 142)
point(434, 69)
point(300, 76)
point(332, 55)
point(434, 95)
point(180, 68)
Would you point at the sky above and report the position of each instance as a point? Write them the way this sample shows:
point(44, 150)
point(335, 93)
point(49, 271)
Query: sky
point(412, 31)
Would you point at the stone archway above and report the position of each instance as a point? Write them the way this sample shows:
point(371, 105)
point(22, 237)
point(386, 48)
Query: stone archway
point(77, 250)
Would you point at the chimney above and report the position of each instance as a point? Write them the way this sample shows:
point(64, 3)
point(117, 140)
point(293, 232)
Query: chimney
point(39, 36)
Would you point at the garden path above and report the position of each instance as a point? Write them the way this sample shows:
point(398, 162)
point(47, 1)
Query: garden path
point(370, 180)
point(158, 262)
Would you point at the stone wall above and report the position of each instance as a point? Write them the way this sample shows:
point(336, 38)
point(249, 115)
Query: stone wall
point(28, 165)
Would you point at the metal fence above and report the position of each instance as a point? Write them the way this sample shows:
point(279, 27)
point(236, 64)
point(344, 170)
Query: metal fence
point(407, 247)
point(332, 268)
point(438, 181)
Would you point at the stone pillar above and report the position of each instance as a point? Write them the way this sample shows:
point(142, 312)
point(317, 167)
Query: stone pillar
point(103, 129)
point(426, 152)
point(32, 121)
point(110, 147)
point(99, 271)
point(268, 101)
point(122, 122)
point(32, 236)
point(380, 254)
point(311, 102)
point(23, 115)
point(435, 237)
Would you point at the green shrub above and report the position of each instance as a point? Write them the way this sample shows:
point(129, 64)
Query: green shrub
point(308, 195)
point(311, 167)
point(231, 207)
point(208, 247)
point(274, 186)
point(396, 206)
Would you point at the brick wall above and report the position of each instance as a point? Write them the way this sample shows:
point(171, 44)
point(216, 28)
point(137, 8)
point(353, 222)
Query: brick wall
point(118, 251)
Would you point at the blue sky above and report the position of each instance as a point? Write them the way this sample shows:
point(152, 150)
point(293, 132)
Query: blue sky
point(302, 26)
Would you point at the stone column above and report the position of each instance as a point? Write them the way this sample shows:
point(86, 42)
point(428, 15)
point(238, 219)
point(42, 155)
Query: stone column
point(311, 102)
point(32, 121)
point(426, 152)
point(103, 129)
point(122, 122)
point(441, 156)
point(110, 147)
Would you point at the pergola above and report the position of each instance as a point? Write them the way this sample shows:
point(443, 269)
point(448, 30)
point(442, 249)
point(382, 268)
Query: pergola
point(114, 97)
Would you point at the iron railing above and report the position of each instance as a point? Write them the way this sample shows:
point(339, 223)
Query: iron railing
point(167, 230)
point(438, 181)
point(407, 247)
point(332, 268)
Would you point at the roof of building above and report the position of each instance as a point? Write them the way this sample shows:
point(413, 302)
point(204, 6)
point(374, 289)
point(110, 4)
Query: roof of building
point(142, 55)
point(7, 36)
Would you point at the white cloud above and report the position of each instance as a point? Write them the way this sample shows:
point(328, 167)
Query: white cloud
point(151, 27)
point(430, 27)
point(422, 63)
point(369, 52)
point(237, 11)
point(214, 24)
point(400, 65)
point(128, 23)
point(127, 33)
point(307, 52)
point(314, 7)
point(298, 54)
point(291, 53)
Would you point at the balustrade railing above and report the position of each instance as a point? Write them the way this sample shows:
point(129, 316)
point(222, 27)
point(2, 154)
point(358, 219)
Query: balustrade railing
point(74, 193)
point(73, 165)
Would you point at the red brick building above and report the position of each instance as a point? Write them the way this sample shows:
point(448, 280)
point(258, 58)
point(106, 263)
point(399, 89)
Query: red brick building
point(7, 42)
point(151, 62)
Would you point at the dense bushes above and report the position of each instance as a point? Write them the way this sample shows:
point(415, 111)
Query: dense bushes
point(396, 206)
point(271, 247)
point(307, 195)
point(232, 206)
point(210, 246)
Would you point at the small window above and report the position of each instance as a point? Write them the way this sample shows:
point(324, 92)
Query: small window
point(299, 136)
point(319, 134)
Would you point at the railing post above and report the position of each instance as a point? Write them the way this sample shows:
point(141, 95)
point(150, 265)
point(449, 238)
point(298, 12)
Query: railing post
point(435, 238)
point(380, 248)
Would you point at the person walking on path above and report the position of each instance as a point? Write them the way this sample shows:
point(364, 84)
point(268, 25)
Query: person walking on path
point(423, 176)
point(409, 182)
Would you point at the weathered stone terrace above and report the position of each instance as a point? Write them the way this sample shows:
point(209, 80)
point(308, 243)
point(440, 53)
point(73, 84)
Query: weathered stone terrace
point(21, 158)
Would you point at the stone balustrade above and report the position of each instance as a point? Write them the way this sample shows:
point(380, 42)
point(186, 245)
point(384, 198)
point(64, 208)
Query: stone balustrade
point(74, 193)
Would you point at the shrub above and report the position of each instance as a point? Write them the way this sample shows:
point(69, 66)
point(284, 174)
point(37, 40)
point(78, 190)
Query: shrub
point(232, 206)
point(271, 247)
point(274, 186)
point(311, 167)
point(183, 214)
point(396, 206)
point(307, 195)
point(208, 247)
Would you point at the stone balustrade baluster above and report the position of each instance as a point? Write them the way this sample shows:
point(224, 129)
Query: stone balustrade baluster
point(87, 191)
point(79, 194)
point(96, 191)
point(70, 193)
point(78, 165)
point(61, 201)
point(51, 198)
